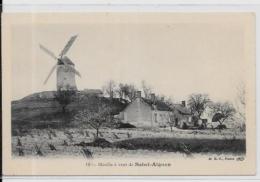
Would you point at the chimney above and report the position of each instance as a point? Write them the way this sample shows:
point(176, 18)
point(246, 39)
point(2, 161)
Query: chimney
point(138, 94)
point(153, 97)
point(183, 103)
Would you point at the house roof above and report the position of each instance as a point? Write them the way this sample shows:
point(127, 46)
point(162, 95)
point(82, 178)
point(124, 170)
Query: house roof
point(182, 109)
point(161, 106)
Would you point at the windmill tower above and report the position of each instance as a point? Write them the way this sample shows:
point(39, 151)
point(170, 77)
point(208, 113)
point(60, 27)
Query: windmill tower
point(65, 68)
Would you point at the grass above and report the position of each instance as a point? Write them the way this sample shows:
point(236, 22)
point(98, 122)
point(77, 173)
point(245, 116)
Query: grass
point(178, 145)
point(69, 141)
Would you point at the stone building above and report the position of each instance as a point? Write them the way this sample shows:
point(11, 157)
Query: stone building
point(143, 112)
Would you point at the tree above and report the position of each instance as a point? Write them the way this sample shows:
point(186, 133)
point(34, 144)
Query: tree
point(96, 117)
point(198, 103)
point(65, 97)
point(160, 98)
point(110, 89)
point(122, 90)
point(241, 101)
point(222, 112)
point(171, 121)
point(169, 101)
point(146, 89)
point(131, 90)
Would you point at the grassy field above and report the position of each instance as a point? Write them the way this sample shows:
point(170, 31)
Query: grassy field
point(127, 142)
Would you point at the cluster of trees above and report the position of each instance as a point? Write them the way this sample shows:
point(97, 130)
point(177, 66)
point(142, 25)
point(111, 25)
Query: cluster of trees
point(122, 91)
point(127, 91)
point(221, 111)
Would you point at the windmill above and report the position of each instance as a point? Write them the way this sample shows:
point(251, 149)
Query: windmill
point(64, 67)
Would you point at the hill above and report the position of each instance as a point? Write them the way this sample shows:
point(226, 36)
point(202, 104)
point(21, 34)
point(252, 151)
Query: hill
point(41, 108)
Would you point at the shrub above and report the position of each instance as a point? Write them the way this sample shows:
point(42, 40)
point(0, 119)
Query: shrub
point(221, 127)
point(124, 125)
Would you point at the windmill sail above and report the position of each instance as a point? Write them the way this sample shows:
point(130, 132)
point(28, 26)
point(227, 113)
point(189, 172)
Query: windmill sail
point(68, 45)
point(52, 70)
point(63, 66)
point(48, 51)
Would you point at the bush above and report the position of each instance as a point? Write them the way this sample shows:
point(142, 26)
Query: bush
point(221, 127)
point(178, 145)
point(98, 142)
point(124, 125)
point(184, 126)
point(101, 142)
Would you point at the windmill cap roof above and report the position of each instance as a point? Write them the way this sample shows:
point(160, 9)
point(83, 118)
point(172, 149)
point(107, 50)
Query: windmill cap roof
point(66, 60)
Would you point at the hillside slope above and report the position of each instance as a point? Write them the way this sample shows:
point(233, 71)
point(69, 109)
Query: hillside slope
point(43, 107)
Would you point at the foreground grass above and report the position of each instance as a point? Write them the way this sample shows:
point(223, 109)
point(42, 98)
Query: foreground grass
point(186, 145)
point(126, 142)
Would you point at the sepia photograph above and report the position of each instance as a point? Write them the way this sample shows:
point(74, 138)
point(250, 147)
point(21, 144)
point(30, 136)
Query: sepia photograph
point(161, 92)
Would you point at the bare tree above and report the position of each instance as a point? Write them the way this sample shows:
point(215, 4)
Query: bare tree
point(222, 111)
point(96, 117)
point(146, 89)
point(110, 89)
point(241, 101)
point(122, 90)
point(160, 98)
point(198, 103)
point(169, 101)
point(131, 90)
point(171, 121)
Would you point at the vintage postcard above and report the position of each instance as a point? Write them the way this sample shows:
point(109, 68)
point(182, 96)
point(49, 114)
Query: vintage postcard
point(129, 93)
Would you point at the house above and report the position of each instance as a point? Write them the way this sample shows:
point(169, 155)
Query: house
point(181, 115)
point(143, 112)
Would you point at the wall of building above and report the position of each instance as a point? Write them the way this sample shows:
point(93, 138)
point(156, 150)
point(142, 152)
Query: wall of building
point(65, 78)
point(160, 118)
point(180, 118)
point(138, 113)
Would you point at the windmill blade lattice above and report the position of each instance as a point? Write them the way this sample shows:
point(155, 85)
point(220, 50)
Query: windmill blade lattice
point(48, 51)
point(68, 45)
point(52, 70)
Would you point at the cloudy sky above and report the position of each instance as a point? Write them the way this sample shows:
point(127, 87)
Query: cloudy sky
point(176, 58)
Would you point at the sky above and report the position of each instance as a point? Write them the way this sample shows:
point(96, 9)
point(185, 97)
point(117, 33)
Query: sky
point(174, 58)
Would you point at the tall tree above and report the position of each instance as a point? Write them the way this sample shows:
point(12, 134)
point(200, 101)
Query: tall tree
point(222, 112)
point(147, 90)
point(110, 89)
point(160, 98)
point(122, 90)
point(241, 101)
point(169, 101)
point(198, 103)
point(131, 92)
